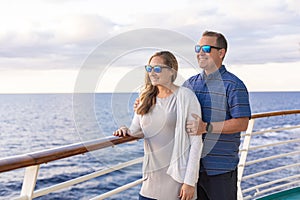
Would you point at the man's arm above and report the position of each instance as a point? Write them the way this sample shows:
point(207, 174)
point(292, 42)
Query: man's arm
point(230, 126)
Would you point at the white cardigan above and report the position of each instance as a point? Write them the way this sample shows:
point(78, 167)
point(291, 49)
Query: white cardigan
point(185, 160)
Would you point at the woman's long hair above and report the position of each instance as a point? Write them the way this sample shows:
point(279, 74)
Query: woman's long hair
point(150, 92)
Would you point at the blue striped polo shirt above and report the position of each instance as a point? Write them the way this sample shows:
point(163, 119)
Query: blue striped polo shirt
point(222, 96)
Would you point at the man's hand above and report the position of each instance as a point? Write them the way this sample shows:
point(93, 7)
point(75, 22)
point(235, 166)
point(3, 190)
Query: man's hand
point(136, 104)
point(195, 127)
point(187, 192)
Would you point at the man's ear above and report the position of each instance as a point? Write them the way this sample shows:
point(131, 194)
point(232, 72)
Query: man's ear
point(222, 53)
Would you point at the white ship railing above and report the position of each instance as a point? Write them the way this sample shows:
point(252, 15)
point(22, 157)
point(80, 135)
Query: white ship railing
point(32, 162)
point(269, 186)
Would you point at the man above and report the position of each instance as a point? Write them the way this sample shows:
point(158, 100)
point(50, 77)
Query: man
point(225, 113)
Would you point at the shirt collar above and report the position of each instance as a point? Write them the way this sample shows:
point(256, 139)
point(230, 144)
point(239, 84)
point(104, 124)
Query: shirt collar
point(215, 74)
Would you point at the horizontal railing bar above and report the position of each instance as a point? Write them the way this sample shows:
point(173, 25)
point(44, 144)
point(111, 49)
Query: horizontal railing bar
point(276, 113)
point(119, 189)
point(270, 130)
point(275, 188)
point(21, 198)
point(74, 181)
point(247, 197)
point(269, 171)
point(258, 193)
point(36, 158)
point(270, 145)
point(273, 144)
point(271, 183)
point(271, 158)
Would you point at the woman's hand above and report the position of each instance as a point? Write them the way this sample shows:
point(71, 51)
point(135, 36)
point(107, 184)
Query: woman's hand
point(122, 132)
point(187, 192)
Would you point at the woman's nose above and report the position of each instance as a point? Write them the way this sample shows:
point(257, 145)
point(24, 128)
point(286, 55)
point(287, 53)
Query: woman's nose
point(152, 72)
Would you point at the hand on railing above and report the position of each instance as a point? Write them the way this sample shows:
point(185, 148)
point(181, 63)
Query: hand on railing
point(123, 131)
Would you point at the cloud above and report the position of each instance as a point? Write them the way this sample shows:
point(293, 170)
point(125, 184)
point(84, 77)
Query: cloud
point(82, 29)
point(60, 41)
point(67, 31)
point(41, 35)
point(258, 32)
point(56, 34)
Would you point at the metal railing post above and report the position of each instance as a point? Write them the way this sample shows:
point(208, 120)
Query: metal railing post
point(243, 157)
point(29, 181)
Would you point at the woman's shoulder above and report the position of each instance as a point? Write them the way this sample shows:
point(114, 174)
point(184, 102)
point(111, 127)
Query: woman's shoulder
point(185, 91)
point(187, 95)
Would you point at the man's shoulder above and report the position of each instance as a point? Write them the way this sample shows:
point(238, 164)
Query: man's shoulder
point(229, 74)
point(232, 78)
point(194, 78)
point(192, 81)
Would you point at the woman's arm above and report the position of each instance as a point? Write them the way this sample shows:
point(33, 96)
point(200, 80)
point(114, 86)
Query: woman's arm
point(192, 169)
point(196, 144)
point(134, 129)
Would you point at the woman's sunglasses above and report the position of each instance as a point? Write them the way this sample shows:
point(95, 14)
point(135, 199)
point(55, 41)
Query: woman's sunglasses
point(156, 68)
point(205, 48)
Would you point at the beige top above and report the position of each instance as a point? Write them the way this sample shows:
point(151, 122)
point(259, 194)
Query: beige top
point(159, 127)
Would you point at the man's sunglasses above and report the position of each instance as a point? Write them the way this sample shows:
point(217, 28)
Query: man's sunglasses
point(205, 48)
point(156, 68)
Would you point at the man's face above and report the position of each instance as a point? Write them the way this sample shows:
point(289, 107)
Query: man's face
point(209, 61)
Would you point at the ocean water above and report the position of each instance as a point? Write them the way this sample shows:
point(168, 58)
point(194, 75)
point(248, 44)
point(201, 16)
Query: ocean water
point(34, 122)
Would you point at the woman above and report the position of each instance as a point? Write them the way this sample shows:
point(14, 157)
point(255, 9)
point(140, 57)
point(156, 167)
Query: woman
point(171, 161)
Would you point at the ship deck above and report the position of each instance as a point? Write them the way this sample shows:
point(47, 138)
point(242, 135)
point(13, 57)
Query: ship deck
point(291, 194)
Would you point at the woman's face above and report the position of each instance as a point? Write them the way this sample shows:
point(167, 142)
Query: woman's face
point(164, 78)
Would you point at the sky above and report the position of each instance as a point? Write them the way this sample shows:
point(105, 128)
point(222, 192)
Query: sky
point(45, 44)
